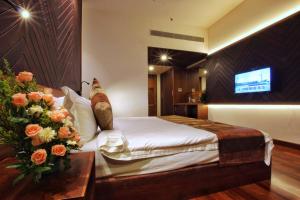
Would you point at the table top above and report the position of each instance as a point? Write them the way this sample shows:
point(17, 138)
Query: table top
point(69, 184)
point(186, 104)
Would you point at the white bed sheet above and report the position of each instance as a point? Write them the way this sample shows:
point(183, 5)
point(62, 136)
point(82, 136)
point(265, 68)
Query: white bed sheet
point(146, 137)
point(108, 167)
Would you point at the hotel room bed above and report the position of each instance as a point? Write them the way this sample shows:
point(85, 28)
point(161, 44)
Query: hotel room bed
point(138, 130)
point(194, 171)
point(237, 156)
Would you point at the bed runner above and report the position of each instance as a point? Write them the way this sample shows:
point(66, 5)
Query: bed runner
point(237, 145)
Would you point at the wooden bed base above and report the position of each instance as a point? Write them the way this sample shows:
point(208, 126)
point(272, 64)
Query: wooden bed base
point(183, 183)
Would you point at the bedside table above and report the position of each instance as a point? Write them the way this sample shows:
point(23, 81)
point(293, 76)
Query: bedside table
point(78, 182)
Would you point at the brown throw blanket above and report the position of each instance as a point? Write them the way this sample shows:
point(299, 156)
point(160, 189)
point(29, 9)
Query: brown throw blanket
point(237, 145)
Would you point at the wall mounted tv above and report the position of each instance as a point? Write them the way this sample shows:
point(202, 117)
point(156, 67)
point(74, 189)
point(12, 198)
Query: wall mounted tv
point(253, 81)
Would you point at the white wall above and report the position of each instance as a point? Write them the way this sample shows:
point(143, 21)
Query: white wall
point(114, 50)
point(281, 122)
point(178, 44)
point(247, 18)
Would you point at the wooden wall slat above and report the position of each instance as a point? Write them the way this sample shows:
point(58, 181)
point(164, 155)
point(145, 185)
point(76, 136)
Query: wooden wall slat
point(49, 44)
point(277, 47)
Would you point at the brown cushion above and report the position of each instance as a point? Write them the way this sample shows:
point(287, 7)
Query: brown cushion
point(101, 106)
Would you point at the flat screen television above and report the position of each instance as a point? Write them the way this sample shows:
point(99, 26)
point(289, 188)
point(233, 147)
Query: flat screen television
point(253, 81)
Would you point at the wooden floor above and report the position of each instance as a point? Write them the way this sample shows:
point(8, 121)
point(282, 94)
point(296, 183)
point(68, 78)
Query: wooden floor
point(285, 183)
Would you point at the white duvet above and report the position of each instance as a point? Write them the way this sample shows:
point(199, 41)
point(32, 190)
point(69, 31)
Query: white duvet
point(145, 137)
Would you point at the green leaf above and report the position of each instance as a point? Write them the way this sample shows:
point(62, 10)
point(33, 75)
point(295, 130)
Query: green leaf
point(20, 177)
point(12, 166)
point(42, 169)
point(19, 120)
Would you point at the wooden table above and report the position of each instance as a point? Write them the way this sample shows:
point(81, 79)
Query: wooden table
point(192, 110)
point(78, 182)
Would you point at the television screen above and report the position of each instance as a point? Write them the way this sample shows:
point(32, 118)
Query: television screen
point(254, 81)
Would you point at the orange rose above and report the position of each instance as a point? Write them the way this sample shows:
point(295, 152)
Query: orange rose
point(35, 96)
point(48, 98)
point(24, 77)
point(64, 132)
point(36, 141)
point(57, 116)
point(19, 100)
point(32, 130)
point(76, 137)
point(58, 150)
point(65, 112)
point(39, 156)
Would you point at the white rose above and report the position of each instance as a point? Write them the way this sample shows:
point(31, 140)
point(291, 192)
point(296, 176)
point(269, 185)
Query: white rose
point(35, 110)
point(67, 122)
point(49, 113)
point(47, 134)
point(71, 142)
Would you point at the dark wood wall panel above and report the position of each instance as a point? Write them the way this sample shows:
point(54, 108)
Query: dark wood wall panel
point(186, 79)
point(167, 91)
point(49, 44)
point(277, 46)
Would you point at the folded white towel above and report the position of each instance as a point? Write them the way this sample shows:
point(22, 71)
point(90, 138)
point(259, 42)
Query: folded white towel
point(114, 142)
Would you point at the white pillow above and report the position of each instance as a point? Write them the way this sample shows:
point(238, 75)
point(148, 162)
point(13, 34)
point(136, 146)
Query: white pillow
point(59, 101)
point(81, 110)
point(70, 97)
point(84, 120)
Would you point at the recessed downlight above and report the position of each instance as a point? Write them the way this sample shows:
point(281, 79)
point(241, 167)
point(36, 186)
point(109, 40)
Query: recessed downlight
point(151, 68)
point(164, 57)
point(25, 14)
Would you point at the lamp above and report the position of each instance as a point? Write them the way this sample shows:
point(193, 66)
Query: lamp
point(25, 14)
point(82, 82)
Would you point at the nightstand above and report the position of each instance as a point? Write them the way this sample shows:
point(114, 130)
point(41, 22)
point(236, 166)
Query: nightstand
point(78, 182)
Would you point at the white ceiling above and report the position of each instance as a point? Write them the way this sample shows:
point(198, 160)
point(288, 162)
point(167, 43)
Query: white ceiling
point(200, 13)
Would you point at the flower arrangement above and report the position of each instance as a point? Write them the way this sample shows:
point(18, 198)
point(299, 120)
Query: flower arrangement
point(41, 135)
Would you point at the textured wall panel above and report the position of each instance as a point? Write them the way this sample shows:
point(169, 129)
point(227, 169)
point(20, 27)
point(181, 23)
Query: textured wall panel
point(49, 44)
point(277, 46)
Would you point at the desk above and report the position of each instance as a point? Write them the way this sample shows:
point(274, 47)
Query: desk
point(193, 110)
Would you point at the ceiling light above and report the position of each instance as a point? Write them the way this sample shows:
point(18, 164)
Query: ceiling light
point(164, 57)
point(151, 68)
point(25, 14)
point(205, 71)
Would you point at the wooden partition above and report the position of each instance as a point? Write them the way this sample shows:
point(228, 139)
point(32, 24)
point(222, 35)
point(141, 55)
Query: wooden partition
point(167, 100)
point(152, 95)
point(177, 85)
